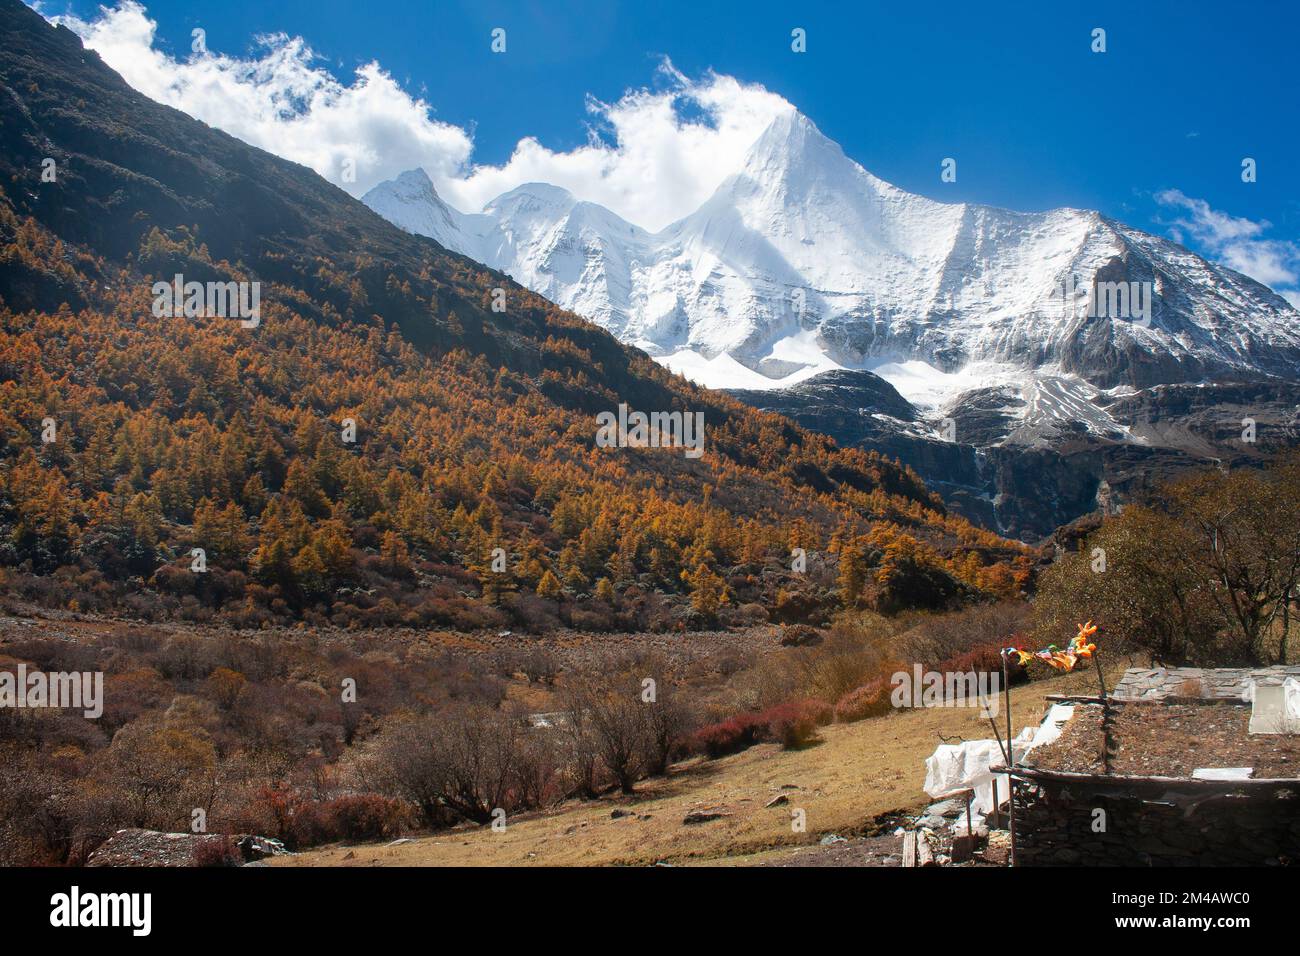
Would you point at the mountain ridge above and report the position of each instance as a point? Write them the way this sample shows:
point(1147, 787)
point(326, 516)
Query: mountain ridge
point(883, 274)
point(802, 263)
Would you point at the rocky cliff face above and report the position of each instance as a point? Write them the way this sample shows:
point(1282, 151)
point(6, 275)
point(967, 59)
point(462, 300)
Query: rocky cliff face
point(1027, 490)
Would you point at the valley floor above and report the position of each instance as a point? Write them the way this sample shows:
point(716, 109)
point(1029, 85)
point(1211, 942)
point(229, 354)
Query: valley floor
point(857, 782)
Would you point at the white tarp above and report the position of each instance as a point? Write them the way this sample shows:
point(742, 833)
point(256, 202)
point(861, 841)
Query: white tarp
point(1057, 717)
point(965, 766)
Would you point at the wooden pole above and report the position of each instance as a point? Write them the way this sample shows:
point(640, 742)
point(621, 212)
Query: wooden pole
point(997, 736)
point(1011, 786)
point(1101, 678)
point(1105, 715)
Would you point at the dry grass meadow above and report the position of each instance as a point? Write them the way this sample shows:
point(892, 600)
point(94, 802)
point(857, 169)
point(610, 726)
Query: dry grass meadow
point(859, 772)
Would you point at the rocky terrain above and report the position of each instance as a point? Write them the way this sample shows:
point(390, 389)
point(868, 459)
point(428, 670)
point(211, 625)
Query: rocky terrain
point(1026, 489)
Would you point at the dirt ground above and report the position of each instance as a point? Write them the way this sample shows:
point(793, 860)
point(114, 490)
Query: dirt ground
point(1170, 740)
point(856, 783)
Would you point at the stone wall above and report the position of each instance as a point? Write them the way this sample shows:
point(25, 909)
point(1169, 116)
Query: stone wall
point(1152, 825)
point(1216, 683)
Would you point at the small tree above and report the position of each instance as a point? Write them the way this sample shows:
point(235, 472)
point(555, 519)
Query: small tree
point(549, 588)
point(666, 722)
point(153, 762)
point(609, 720)
point(708, 591)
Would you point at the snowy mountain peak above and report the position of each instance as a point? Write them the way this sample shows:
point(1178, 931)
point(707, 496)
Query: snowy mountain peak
point(790, 141)
point(415, 179)
point(803, 261)
point(792, 147)
point(411, 203)
point(531, 197)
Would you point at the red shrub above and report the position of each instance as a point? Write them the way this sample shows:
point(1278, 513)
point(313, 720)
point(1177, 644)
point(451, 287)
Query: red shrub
point(292, 817)
point(361, 816)
point(981, 657)
point(282, 813)
point(869, 700)
point(217, 850)
point(795, 722)
point(729, 736)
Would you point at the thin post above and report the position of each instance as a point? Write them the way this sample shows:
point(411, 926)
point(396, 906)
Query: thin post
point(997, 738)
point(1011, 785)
point(1105, 715)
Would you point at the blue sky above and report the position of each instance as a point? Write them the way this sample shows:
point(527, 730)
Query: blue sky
point(1012, 91)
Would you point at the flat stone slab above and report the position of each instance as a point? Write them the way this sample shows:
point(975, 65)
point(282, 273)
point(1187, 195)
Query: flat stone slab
point(1216, 683)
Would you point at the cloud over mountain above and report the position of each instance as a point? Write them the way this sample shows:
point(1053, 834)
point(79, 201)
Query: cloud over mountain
point(643, 159)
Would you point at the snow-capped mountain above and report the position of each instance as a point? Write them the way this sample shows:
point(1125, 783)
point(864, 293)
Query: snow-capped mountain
point(803, 261)
point(1016, 329)
point(577, 254)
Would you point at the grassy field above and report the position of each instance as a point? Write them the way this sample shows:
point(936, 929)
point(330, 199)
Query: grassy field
point(858, 772)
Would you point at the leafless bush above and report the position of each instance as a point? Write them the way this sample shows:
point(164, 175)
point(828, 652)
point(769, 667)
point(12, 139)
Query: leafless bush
point(471, 761)
point(539, 665)
point(625, 722)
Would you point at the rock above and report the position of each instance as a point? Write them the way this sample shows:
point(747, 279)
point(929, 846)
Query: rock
point(963, 848)
point(257, 847)
point(831, 839)
point(946, 808)
point(137, 847)
point(702, 816)
point(617, 814)
point(924, 852)
point(777, 801)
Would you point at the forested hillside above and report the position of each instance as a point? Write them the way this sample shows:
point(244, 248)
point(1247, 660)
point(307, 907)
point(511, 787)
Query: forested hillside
point(358, 455)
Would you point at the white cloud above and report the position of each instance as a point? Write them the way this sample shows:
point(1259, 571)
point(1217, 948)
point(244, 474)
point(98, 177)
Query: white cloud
point(279, 100)
point(1237, 242)
point(659, 167)
point(651, 166)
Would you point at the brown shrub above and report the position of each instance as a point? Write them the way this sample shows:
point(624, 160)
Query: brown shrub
point(869, 700)
point(795, 722)
point(217, 850)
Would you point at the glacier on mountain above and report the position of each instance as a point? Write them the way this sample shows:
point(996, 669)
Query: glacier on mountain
point(803, 262)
